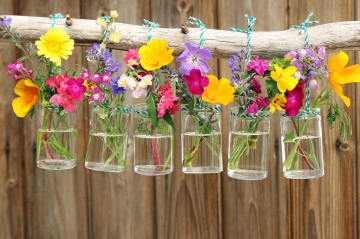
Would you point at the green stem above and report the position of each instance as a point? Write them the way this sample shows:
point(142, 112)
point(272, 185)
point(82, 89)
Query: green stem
point(159, 78)
point(169, 156)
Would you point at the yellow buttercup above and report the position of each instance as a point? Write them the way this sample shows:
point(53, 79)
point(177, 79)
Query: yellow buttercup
point(218, 91)
point(155, 54)
point(284, 79)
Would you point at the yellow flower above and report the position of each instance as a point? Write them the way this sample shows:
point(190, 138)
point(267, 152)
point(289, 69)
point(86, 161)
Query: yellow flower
point(115, 37)
point(218, 91)
point(278, 102)
point(86, 84)
point(341, 75)
point(114, 13)
point(100, 21)
point(284, 79)
point(55, 44)
point(28, 93)
point(155, 54)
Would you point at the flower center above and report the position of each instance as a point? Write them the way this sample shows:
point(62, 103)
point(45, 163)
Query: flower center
point(96, 96)
point(194, 58)
point(54, 47)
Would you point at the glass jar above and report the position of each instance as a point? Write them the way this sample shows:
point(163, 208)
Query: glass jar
point(301, 143)
point(249, 145)
point(201, 139)
point(56, 139)
point(108, 139)
point(153, 147)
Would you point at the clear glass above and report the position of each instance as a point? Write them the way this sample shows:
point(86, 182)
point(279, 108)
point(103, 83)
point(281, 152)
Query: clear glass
point(108, 138)
point(201, 139)
point(56, 139)
point(249, 145)
point(153, 147)
point(302, 151)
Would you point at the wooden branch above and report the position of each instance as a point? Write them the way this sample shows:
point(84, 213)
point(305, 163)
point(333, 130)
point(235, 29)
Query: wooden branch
point(222, 44)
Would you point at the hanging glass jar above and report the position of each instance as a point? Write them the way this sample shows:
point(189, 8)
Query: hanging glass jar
point(249, 145)
point(301, 142)
point(56, 139)
point(108, 139)
point(201, 139)
point(153, 147)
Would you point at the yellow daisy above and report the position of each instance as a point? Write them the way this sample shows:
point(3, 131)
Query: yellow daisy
point(56, 43)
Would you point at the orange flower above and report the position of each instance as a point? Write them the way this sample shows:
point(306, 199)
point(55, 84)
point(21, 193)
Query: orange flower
point(218, 91)
point(28, 93)
point(341, 75)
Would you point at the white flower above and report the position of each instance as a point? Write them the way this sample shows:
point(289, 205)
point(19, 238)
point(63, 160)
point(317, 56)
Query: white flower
point(101, 113)
point(137, 92)
point(145, 81)
point(127, 82)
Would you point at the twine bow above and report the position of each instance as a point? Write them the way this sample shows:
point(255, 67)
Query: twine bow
point(54, 17)
point(251, 22)
point(152, 25)
point(302, 27)
point(202, 29)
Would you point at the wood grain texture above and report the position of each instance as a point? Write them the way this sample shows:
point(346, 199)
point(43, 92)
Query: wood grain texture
point(222, 43)
point(317, 207)
point(253, 209)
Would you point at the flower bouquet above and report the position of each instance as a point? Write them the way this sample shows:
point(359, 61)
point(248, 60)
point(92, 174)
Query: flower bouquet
point(250, 121)
point(56, 92)
point(201, 97)
point(289, 88)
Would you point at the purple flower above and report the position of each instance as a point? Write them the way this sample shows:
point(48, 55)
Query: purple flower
point(75, 87)
point(291, 54)
point(95, 96)
point(305, 53)
point(6, 21)
point(322, 52)
point(253, 108)
point(97, 78)
point(115, 89)
point(233, 61)
point(298, 74)
point(233, 79)
point(193, 58)
point(313, 84)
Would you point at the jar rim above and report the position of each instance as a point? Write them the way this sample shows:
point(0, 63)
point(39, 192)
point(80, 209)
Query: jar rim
point(303, 112)
point(234, 111)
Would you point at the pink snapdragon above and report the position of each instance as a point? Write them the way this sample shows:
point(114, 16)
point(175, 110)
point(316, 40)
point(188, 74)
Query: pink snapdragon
point(96, 96)
point(97, 78)
point(260, 66)
point(262, 102)
point(85, 75)
point(20, 70)
point(132, 57)
point(167, 100)
point(107, 77)
point(253, 108)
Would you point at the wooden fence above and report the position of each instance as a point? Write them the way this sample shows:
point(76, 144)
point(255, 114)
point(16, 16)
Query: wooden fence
point(79, 203)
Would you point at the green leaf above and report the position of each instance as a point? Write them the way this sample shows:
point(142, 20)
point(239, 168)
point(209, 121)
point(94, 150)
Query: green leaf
point(31, 111)
point(187, 153)
point(192, 158)
point(58, 147)
point(246, 75)
point(22, 58)
point(169, 120)
point(152, 110)
point(271, 88)
point(290, 137)
point(191, 105)
point(18, 44)
point(252, 126)
point(241, 111)
point(289, 159)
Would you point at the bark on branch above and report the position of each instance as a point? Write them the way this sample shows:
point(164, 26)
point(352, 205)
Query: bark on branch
point(222, 44)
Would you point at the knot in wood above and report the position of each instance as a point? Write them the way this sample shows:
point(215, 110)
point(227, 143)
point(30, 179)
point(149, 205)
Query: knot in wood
point(344, 147)
point(69, 22)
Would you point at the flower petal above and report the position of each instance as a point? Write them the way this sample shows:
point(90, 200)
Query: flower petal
point(192, 48)
point(349, 74)
point(338, 62)
point(204, 54)
point(202, 66)
point(186, 67)
point(339, 91)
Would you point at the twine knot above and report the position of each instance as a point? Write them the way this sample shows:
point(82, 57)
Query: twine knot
point(304, 25)
point(202, 29)
point(150, 25)
point(54, 17)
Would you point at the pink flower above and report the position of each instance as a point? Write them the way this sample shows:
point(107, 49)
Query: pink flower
point(96, 96)
point(85, 75)
point(196, 82)
point(167, 100)
point(253, 108)
point(97, 78)
point(132, 57)
point(75, 87)
point(255, 85)
point(294, 101)
point(137, 92)
point(17, 66)
point(260, 66)
point(17, 76)
point(313, 84)
point(107, 78)
point(263, 102)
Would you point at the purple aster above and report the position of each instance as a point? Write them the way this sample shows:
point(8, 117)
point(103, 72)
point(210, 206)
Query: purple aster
point(193, 58)
point(115, 89)
point(6, 21)
point(233, 79)
point(114, 66)
point(233, 61)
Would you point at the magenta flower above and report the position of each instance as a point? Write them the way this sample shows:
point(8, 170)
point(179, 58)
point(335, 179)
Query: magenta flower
point(263, 102)
point(294, 101)
point(95, 96)
point(17, 66)
point(75, 87)
point(196, 82)
point(85, 75)
point(97, 78)
point(253, 108)
point(255, 85)
point(260, 66)
point(107, 78)
point(193, 58)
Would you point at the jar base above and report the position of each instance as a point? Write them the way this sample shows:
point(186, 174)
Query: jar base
point(56, 164)
point(201, 170)
point(153, 170)
point(104, 167)
point(247, 174)
point(303, 174)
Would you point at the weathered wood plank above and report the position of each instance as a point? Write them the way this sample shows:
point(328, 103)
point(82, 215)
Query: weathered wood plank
point(326, 207)
point(253, 209)
point(222, 44)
